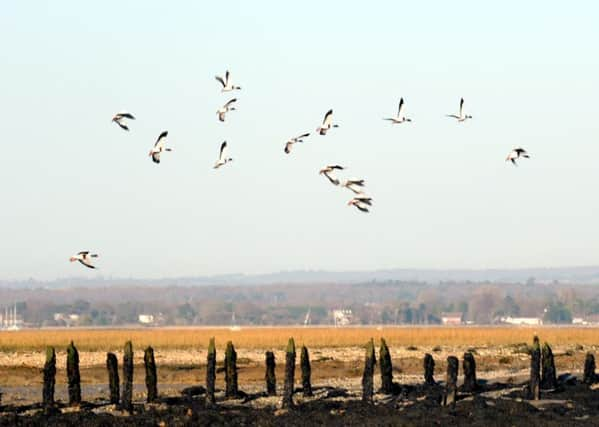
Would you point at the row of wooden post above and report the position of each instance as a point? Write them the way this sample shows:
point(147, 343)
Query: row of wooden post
point(542, 374)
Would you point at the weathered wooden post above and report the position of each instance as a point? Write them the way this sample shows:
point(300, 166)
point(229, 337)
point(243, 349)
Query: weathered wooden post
point(548, 374)
point(73, 376)
point(589, 376)
point(289, 375)
point(49, 379)
point(534, 387)
point(469, 367)
point(151, 379)
point(112, 365)
point(127, 398)
point(231, 390)
point(451, 387)
point(271, 380)
point(429, 369)
point(386, 368)
point(306, 372)
point(210, 373)
point(367, 376)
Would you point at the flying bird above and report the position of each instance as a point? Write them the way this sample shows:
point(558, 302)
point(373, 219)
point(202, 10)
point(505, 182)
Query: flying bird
point(399, 118)
point(351, 184)
point(327, 123)
point(226, 82)
point(461, 117)
point(516, 153)
point(225, 109)
point(121, 118)
point(292, 141)
point(159, 147)
point(222, 158)
point(85, 258)
point(361, 203)
point(328, 172)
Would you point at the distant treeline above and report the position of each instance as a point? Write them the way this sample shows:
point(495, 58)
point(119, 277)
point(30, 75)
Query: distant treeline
point(390, 302)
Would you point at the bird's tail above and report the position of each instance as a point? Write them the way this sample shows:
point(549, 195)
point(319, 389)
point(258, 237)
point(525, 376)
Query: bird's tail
point(94, 255)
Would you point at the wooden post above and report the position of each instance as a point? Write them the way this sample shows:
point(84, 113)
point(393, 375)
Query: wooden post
point(534, 386)
point(112, 365)
point(589, 369)
point(429, 369)
point(469, 367)
point(271, 380)
point(49, 379)
point(127, 398)
point(386, 368)
point(548, 374)
point(451, 387)
point(73, 376)
point(367, 376)
point(306, 372)
point(210, 373)
point(231, 390)
point(151, 378)
point(289, 375)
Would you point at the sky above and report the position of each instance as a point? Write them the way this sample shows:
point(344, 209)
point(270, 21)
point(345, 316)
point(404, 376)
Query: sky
point(444, 197)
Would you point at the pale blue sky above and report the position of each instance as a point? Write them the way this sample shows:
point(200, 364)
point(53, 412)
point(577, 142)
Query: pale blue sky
point(444, 196)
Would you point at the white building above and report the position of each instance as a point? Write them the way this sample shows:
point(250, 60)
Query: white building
point(456, 318)
point(342, 317)
point(146, 319)
point(533, 321)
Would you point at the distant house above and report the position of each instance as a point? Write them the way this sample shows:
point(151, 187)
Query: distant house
point(454, 318)
point(145, 319)
point(533, 321)
point(342, 317)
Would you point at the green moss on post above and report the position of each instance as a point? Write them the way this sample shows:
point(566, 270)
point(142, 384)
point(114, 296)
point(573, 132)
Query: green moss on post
point(211, 373)
point(306, 372)
point(151, 378)
point(386, 368)
point(534, 386)
point(270, 377)
point(231, 390)
point(112, 365)
point(73, 376)
point(49, 379)
point(368, 374)
point(127, 398)
point(289, 375)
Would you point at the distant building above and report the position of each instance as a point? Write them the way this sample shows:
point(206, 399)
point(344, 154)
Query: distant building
point(578, 321)
point(591, 319)
point(342, 317)
point(145, 319)
point(456, 318)
point(533, 321)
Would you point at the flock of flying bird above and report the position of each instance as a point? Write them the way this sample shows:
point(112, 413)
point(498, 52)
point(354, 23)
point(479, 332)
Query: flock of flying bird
point(359, 200)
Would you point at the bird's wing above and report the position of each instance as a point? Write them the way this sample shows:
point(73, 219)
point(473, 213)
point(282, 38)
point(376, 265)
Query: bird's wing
point(126, 115)
point(230, 102)
point(335, 167)
point(303, 136)
point(520, 150)
point(227, 76)
point(160, 140)
point(328, 119)
point(223, 150)
point(461, 106)
point(362, 208)
point(220, 79)
point(122, 125)
point(86, 264)
point(452, 115)
point(400, 107)
point(334, 181)
point(83, 253)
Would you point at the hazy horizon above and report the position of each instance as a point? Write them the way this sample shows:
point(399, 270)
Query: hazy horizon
point(444, 198)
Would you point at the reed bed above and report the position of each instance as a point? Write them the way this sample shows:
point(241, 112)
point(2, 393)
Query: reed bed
point(276, 337)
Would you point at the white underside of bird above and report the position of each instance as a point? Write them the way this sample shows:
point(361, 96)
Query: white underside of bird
point(85, 258)
point(355, 185)
point(159, 147)
point(399, 118)
point(515, 154)
point(223, 158)
point(461, 117)
point(327, 123)
point(227, 85)
point(295, 140)
point(121, 119)
point(222, 111)
point(328, 172)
